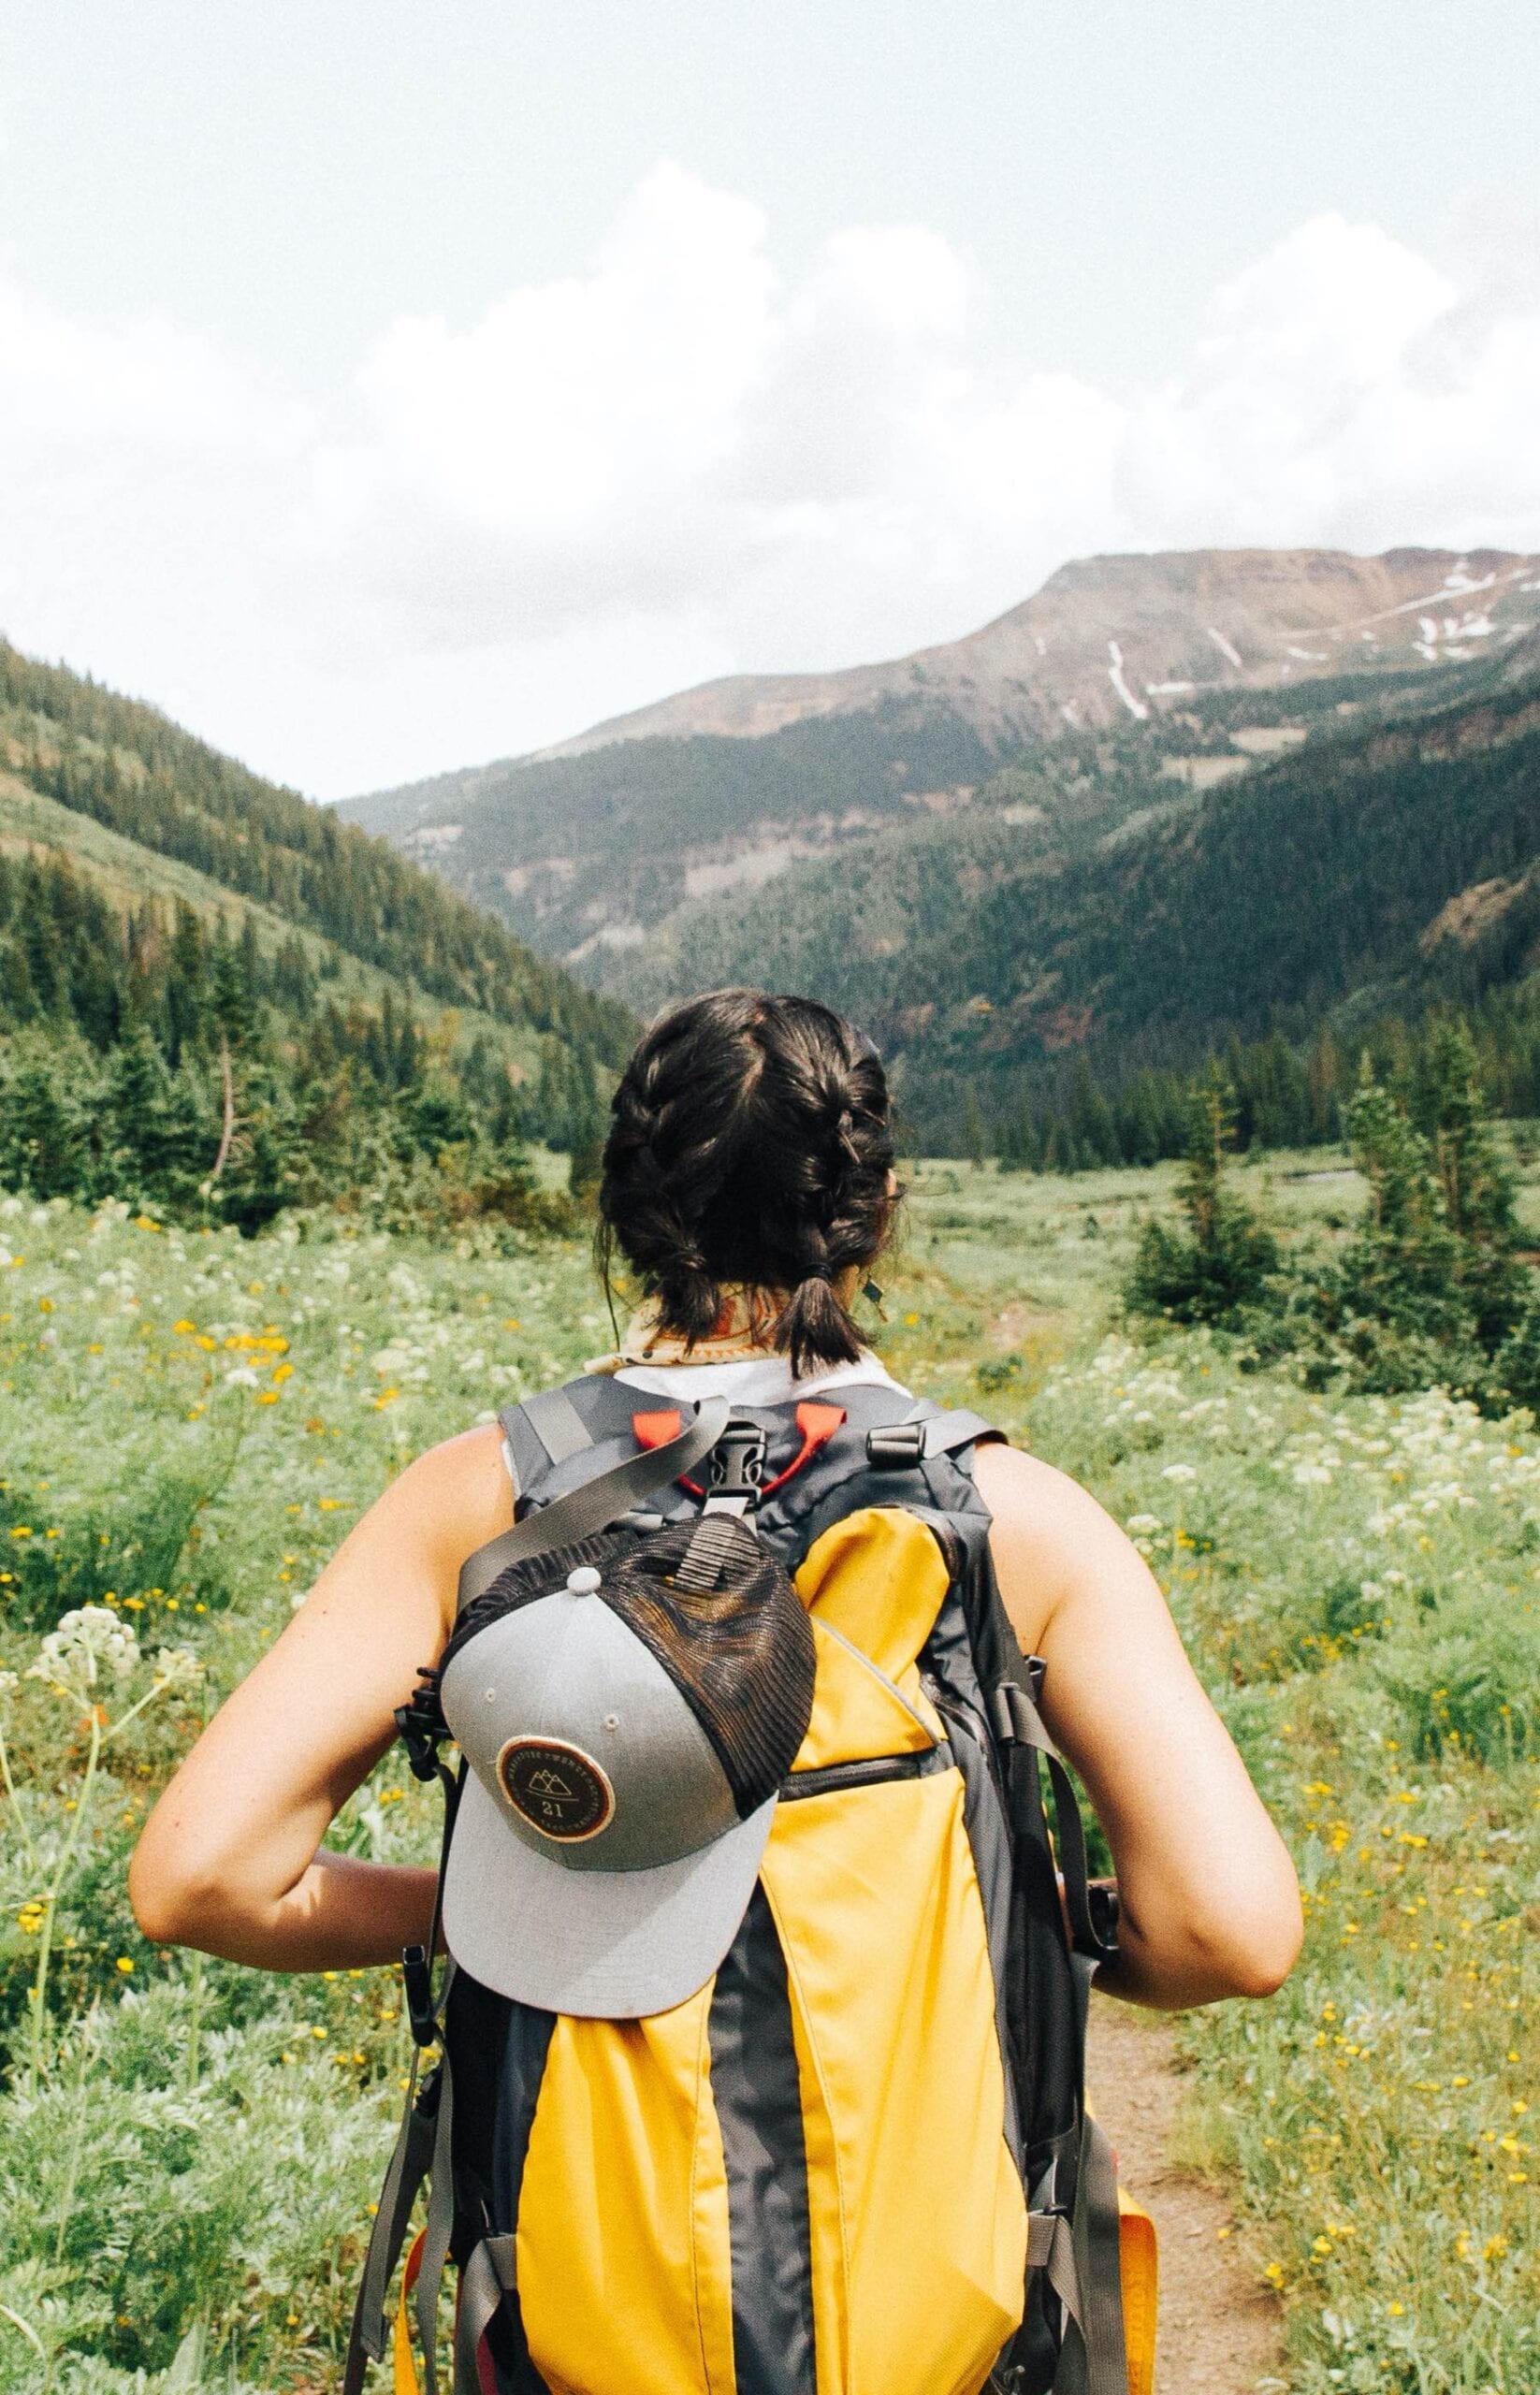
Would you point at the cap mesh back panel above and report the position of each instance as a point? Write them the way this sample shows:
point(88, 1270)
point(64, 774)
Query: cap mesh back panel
point(741, 1652)
point(714, 1607)
point(538, 1575)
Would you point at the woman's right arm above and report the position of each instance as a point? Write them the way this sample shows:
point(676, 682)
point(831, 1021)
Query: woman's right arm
point(231, 1858)
point(1209, 1900)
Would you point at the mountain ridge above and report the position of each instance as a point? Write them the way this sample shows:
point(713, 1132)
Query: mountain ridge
point(989, 674)
point(1195, 662)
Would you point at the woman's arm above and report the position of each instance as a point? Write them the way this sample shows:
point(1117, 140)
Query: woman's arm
point(1210, 1904)
point(230, 1859)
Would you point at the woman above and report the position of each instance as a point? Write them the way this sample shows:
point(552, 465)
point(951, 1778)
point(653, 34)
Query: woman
point(749, 1184)
point(751, 1147)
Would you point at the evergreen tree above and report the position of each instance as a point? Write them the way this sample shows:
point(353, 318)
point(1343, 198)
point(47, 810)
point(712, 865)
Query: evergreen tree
point(1220, 1263)
point(43, 1148)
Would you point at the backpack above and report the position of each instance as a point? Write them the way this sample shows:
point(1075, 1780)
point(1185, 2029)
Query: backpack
point(859, 2161)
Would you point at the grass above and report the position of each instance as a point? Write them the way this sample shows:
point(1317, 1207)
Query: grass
point(188, 2151)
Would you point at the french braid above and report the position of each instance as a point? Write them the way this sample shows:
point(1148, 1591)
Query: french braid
point(750, 1142)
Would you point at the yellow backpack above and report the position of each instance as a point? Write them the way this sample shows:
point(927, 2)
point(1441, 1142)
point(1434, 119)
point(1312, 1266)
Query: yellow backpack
point(858, 2161)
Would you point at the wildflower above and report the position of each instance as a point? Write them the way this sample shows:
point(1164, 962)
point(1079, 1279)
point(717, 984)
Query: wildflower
point(174, 1665)
point(1180, 1472)
point(126, 1964)
point(86, 1639)
point(1142, 1524)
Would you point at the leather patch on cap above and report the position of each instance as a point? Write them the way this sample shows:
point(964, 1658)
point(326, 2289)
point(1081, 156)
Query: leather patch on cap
point(556, 1787)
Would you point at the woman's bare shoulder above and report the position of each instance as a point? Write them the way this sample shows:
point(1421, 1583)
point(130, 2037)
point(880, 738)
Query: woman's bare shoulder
point(1048, 1535)
point(449, 1500)
point(1029, 1498)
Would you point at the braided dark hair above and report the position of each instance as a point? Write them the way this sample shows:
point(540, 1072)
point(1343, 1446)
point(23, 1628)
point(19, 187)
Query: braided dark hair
point(750, 1143)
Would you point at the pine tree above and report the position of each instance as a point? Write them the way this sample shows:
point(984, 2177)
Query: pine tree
point(1220, 1264)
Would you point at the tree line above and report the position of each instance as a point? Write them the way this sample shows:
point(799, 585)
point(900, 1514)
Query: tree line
point(192, 1070)
point(132, 769)
point(1284, 1094)
point(1433, 1286)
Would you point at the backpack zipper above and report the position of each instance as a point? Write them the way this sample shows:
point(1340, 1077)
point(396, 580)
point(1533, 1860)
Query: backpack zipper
point(867, 1771)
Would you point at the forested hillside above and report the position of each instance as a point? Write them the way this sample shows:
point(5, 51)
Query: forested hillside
point(216, 998)
point(1182, 660)
point(1091, 926)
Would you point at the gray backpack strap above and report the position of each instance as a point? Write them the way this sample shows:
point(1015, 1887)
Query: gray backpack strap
point(927, 1431)
point(408, 2168)
point(595, 1504)
point(1095, 2360)
point(556, 1423)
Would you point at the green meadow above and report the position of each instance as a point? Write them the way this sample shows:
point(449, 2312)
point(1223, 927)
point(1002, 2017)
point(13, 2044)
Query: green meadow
point(190, 1421)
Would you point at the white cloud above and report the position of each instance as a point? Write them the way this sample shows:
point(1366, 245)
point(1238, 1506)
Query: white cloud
point(677, 465)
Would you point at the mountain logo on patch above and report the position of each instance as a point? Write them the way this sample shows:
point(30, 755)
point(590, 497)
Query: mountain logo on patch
point(558, 1789)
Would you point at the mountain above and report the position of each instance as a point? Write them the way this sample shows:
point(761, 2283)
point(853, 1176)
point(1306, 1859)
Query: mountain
point(1193, 662)
point(1365, 874)
point(203, 978)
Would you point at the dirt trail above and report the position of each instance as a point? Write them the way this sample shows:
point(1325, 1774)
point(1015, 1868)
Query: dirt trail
point(1218, 2329)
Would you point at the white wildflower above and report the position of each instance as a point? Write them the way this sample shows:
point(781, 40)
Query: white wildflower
point(240, 1376)
point(1142, 1524)
point(1180, 1472)
point(9, 1681)
point(87, 1640)
point(1311, 1475)
point(172, 1666)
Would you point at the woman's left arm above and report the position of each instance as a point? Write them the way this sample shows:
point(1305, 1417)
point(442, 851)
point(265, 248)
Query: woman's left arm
point(231, 1860)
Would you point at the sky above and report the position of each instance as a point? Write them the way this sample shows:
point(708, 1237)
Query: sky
point(384, 388)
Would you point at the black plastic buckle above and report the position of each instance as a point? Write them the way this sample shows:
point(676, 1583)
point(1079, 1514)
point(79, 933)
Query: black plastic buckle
point(896, 1446)
point(422, 1726)
point(737, 1461)
point(1101, 1898)
point(417, 1975)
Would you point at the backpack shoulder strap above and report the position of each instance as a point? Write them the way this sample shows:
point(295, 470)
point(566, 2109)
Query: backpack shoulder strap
point(543, 1431)
point(590, 1508)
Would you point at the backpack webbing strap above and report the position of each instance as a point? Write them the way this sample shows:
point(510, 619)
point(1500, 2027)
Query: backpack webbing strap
point(1017, 1723)
point(924, 1432)
point(409, 2166)
point(556, 1423)
point(950, 1428)
point(486, 2278)
point(595, 1504)
point(1095, 2359)
point(440, 2222)
point(1050, 2248)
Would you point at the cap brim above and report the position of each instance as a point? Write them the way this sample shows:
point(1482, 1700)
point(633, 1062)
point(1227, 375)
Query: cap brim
point(607, 1945)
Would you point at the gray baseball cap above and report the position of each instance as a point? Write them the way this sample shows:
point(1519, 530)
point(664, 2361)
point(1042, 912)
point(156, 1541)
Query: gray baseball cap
point(627, 1722)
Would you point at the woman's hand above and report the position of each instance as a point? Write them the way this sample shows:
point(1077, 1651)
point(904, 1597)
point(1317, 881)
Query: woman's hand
point(231, 1858)
point(1209, 1901)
